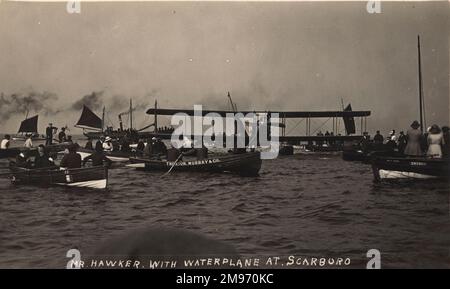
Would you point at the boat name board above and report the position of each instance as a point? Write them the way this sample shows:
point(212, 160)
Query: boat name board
point(194, 163)
point(418, 163)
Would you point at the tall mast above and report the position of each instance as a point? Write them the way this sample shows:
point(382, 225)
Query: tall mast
point(233, 106)
point(420, 84)
point(131, 115)
point(103, 119)
point(156, 115)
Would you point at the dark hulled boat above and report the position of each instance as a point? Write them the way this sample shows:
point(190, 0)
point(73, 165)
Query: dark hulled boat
point(286, 150)
point(91, 177)
point(14, 151)
point(385, 167)
point(355, 155)
point(115, 156)
point(410, 167)
point(9, 153)
point(245, 164)
point(366, 153)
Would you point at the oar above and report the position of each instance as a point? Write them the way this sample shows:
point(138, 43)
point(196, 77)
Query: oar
point(138, 165)
point(176, 161)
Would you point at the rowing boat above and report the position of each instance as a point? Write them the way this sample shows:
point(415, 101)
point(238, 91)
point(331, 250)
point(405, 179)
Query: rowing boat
point(14, 151)
point(114, 156)
point(357, 155)
point(9, 153)
point(410, 168)
point(90, 177)
point(245, 164)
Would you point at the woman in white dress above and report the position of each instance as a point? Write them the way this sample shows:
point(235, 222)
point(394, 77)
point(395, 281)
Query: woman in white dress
point(435, 140)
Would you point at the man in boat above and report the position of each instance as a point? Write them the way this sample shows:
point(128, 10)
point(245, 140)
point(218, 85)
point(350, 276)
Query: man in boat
point(327, 134)
point(159, 148)
point(174, 154)
point(125, 145)
point(148, 150)
point(107, 145)
point(49, 134)
point(378, 138)
point(62, 135)
point(332, 142)
point(28, 142)
point(202, 153)
point(98, 157)
point(89, 146)
point(23, 160)
point(402, 142)
point(69, 139)
point(5, 142)
point(364, 143)
point(42, 160)
point(140, 146)
point(391, 143)
point(99, 142)
point(446, 145)
point(71, 160)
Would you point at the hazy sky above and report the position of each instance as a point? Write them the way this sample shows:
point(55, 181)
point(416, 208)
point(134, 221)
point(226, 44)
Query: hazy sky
point(291, 56)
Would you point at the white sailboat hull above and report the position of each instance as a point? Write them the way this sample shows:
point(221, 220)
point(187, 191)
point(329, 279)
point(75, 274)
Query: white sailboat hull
point(95, 184)
point(388, 174)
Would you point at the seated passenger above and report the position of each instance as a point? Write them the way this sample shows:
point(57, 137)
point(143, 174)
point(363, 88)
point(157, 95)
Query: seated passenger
point(42, 160)
point(140, 146)
point(88, 145)
point(125, 145)
point(107, 145)
point(23, 160)
point(62, 135)
point(173, 154)
point(148, 150)
point(71, 160)
point(202, 153)
point(98, 157)
point(159, 148)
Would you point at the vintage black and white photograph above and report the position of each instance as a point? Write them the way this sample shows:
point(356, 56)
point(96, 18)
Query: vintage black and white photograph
point(224, 135)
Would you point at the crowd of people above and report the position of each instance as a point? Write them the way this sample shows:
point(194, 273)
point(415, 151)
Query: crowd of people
point(434, 143)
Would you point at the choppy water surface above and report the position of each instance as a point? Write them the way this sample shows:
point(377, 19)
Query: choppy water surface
point(305, 205)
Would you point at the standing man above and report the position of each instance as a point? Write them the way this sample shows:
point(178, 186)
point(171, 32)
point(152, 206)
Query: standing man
point(49, 134)
point(378, 138)
point(402, 141)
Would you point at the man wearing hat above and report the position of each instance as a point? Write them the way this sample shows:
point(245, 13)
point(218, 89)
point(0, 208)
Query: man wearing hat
point(49, 134)
point(413, 135)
